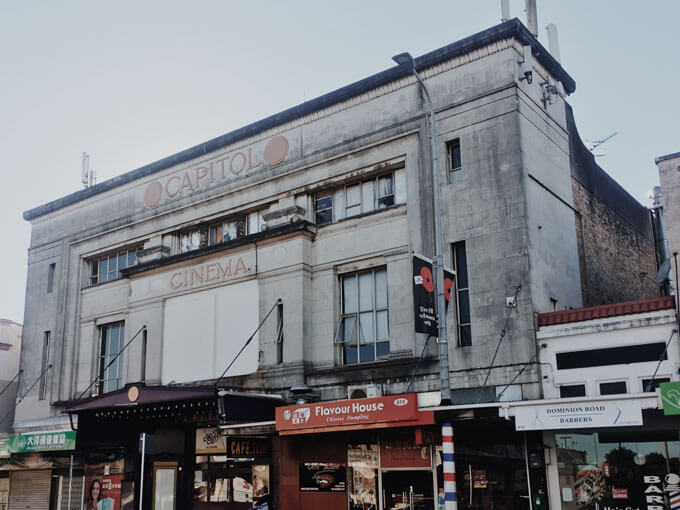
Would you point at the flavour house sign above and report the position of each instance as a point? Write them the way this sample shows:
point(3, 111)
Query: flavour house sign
point(379, 412)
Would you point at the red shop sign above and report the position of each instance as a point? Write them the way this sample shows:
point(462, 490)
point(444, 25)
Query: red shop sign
point(379, 412)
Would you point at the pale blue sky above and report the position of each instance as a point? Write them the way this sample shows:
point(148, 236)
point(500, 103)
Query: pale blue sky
point(130, 82)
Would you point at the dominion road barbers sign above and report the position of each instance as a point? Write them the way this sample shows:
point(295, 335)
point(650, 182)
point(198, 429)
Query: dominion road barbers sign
point(578, 415)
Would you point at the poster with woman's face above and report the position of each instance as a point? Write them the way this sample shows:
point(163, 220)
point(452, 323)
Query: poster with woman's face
point(103, 492)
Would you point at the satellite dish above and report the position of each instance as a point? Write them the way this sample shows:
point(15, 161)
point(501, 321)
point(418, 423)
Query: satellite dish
point(664, 270)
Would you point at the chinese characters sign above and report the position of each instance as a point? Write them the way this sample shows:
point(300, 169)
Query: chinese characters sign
point(43, 441)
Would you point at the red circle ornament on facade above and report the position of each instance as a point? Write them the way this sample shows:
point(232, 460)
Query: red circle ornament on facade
point(426, 275)
point(153, 194)
point(276, 150)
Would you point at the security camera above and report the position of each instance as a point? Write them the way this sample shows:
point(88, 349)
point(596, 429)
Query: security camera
point(527, 68)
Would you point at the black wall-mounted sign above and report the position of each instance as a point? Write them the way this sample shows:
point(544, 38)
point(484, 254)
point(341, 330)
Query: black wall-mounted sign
point(322, 477)
point(248, 447)
point(423, 294)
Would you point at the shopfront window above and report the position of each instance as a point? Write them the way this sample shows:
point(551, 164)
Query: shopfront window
point(362, 476)
point(607, 471)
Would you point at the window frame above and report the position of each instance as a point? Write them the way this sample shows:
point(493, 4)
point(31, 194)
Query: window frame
point(362, 204)
point(44, 364)
point(94, 264)
point(353, 339)
point(451, 147)
point(460, 326)
point(105, 357)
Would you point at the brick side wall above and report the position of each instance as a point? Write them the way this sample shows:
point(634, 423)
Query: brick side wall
point(612, 253)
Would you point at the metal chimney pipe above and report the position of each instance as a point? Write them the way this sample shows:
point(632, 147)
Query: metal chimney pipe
point(532, 17)
point(505, 10)
point(553, 42)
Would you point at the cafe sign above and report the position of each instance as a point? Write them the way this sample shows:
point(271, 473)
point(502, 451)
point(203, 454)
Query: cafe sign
point(210, 441)
point(378, 412)
point(54, 440)
point(578, 415)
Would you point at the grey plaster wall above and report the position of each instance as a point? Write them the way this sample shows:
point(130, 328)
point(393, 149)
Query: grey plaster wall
point(492, 205)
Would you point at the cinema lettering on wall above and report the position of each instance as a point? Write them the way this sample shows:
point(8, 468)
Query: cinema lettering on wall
point(221, 167)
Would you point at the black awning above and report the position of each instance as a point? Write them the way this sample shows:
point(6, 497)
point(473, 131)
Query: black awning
point(138, 394)
point(142, 404)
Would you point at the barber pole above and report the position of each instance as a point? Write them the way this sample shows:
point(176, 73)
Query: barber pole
point(450, 502)
point(674, 498)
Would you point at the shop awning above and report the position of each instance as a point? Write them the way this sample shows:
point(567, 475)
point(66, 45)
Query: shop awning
point(140, 403)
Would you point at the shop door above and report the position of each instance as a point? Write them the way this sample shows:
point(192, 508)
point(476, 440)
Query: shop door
point(164, 485)
point(408, 490)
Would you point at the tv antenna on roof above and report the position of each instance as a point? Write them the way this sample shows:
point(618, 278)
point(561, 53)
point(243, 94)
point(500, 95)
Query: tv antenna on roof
point(87, 177)
point(594, 145)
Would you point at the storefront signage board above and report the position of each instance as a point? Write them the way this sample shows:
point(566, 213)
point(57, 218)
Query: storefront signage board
point(363, 413)
point(670, 397)
point(247, 447)
point(322, 477)
point(210, 441)
point(54, 440)
point(578, 415)
point(4, 448)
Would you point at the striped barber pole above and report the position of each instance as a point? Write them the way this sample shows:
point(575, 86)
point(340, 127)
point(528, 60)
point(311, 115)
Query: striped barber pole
point(450, 502)
point(674, 498)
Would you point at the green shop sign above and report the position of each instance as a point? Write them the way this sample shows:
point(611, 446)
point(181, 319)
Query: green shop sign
point(670, 397)
point(43, 441)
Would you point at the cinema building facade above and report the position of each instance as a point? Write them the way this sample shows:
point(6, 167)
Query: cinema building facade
point(172, 310)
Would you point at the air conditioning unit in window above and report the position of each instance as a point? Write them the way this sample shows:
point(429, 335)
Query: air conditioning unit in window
point(363, 391)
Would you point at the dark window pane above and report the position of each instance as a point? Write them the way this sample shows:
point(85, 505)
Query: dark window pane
point(573, 390)
point(350, 355)
point(385, 202)
point(461, 265)
point(454, 154)
point(132, 258)
point(613, 388)
point(367, 353)
point(655, 384)
point(612, 356)
point(324, 217)
point(324, 203)
point(465, 336)
point(383, 349)
point(464, 307)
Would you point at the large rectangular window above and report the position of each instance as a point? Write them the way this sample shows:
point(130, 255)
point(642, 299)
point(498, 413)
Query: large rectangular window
point(363, 330)
point(45, 362)
point(112, 340)
point(109, 267)
point(463, 321)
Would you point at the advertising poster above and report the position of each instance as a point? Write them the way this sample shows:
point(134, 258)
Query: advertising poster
point(424, 296)
point(322, 477)
point(103, 492)
point(362, 463)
